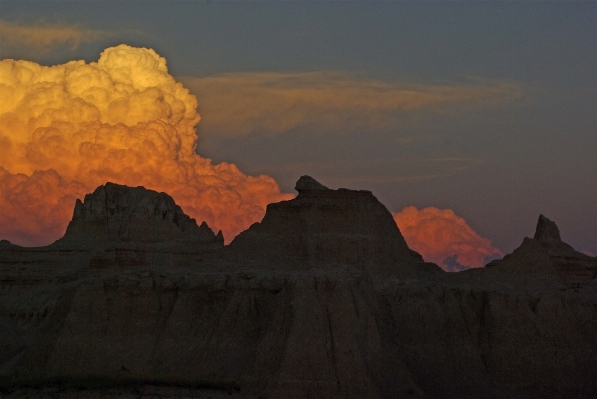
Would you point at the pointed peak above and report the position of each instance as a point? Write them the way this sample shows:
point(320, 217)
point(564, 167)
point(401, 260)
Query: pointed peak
point(546, 230)
point(307, 183)
point(220, 236)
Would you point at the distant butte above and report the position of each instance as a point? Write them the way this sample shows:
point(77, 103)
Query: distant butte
point(547, 254)
point(119, 213)
point(323, 228)
point(321, 299)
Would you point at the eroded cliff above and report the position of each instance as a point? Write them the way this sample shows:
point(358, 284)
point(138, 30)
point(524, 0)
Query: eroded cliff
point(322, 299)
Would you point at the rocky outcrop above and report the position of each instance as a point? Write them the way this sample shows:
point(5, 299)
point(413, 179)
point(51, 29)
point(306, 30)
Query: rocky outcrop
point(306, 304)
point(322, 228)
point(119, 213)
point(307, 183)
point(547, 255)
point(132, 226)
point(547, 231)
point(118, 226)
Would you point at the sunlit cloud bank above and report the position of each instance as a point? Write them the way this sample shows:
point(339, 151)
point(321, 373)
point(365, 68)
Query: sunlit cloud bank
point(273, 103)
point(68, 128)
point(43, 36)
point(444, 238)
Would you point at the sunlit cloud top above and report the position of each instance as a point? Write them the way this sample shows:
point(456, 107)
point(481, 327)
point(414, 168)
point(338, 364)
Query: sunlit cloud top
point(69, 128)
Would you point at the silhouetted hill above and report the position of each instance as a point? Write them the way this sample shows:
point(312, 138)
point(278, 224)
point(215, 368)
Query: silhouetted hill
point(322, 299)
point(322, 228)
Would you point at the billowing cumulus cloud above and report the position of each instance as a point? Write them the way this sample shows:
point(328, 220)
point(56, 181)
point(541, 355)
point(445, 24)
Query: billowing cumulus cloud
point(34, 209)
point(44, 36)
point(240, 103)
point(68, 128)
point(444, 238)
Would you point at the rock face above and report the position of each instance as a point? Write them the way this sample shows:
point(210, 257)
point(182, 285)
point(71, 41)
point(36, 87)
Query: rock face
point(323, 227)
point(119, 226)
point(128, 226)
point(547, 254)
point(307, 183)
point(119, 213)
point(547, 231)
point(322, 299)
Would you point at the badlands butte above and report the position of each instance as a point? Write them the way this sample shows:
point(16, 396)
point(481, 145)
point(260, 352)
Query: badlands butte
point(322, 299)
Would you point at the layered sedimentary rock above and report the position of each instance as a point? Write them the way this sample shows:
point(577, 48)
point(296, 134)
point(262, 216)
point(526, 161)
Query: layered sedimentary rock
point(119, 213)
point(353, 321)
point(323, 227)
point(546, 254)
point(134, 226)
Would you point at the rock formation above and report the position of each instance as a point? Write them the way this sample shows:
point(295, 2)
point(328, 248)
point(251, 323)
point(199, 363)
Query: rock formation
point(547, 231)
point(547, 254)
point(323, 227)
point(119, 213)
point(322, 299)
point(128, 226)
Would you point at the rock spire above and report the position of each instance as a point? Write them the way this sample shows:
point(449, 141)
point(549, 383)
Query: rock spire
point(546, 254)
point(546, 230)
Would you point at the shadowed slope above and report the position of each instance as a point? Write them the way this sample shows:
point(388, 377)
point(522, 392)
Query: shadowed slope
point(118, 225)
point(323, 227)
point(313, 302)
point(119, 213)
point(546, 254)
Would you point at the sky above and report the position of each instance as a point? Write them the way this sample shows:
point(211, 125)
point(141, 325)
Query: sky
point(472, 116)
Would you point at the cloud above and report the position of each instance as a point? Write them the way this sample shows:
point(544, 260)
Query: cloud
point(444, 238)
point(236, 104)
point(451, 264)
point(35, 208)
point(68, 128)
point(44, 36)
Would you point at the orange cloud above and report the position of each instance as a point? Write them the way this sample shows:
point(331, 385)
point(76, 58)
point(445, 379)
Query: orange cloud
point(444, 238)
point(68, 128)
point(239, 103)
point(36, 208)
point(45, 36)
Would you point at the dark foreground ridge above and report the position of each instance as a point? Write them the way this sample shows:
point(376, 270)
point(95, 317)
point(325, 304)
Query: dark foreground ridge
point(322, 299)
point(322, 228)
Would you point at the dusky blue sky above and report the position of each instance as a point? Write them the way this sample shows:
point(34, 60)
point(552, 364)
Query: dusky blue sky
point(497, 164)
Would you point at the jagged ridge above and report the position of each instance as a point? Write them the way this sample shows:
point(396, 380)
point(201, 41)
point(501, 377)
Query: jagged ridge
point(306, 304)
point(116, 212)
point(546, 254)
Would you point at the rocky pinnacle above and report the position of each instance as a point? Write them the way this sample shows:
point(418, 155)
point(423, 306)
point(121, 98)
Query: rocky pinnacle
point(546, 230)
